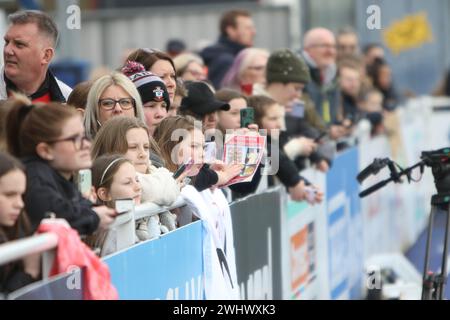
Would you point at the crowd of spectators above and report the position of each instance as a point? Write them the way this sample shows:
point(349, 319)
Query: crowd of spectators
point(122, 125)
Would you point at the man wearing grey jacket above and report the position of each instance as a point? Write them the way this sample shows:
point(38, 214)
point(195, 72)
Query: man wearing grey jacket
point(319, 52)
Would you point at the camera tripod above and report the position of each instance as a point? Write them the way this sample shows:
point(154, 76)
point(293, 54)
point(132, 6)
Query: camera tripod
point(433, 286)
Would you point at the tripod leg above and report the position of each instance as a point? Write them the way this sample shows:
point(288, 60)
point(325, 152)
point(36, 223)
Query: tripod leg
point(426, 290)
point(444, 258)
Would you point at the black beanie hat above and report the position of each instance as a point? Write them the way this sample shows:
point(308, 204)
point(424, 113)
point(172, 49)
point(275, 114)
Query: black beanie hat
point(284, 66)
point(149, 86)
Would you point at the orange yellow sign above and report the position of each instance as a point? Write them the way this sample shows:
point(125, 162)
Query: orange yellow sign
point(410, 32)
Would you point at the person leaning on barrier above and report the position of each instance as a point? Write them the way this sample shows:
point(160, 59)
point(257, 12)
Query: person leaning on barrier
point(30, 43)
point(201, 104)
point(209, 205)
point(231, 120)
point(130, 138)
point(51, 142)
point(319, 52)
point(381, 75)
point(189, 145)
point(14, 225)
point(351, 84)
point(113, 177)
point(287, 74)
point(372, 111)
point(269, 116)
point(371, 52)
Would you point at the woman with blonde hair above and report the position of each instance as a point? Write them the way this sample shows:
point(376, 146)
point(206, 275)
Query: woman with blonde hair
point(190, 67)
point(247, 70)
point(111, 95)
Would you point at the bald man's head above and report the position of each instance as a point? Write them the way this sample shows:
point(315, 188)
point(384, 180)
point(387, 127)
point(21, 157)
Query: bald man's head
point(317, 35)
point(320, 44)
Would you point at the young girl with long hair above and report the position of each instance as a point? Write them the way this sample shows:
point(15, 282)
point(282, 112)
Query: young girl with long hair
point(14, 225)
point(51, 142)
point(130, 138)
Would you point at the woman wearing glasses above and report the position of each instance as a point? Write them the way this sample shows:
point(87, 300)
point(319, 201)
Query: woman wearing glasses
point(111, 95)
point(51, 141)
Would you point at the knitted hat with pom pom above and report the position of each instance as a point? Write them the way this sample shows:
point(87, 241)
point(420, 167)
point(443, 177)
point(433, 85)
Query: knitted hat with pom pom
point(149, 86)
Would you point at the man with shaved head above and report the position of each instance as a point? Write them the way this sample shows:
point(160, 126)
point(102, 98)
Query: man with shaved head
point(319, 51)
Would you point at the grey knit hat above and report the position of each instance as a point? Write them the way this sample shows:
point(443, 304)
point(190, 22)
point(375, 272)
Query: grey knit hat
point(284, 66)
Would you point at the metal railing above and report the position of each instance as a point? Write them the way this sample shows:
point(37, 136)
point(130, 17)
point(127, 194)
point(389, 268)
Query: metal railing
point(17, 249)
point(150, 209)
point(45, 243)
point(125, 225)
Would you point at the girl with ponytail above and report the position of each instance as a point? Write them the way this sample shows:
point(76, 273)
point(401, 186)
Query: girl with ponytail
point(51, 142)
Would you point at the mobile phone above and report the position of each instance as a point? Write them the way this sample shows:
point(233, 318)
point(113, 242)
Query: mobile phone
point(298, 110)
point(247, 117)
point(123, 205)
point(310, 194)
point(185, 166)
point(210, 152)
point(84, 181)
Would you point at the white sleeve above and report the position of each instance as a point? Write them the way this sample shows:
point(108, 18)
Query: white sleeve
point(293, 148)
point(159, 187)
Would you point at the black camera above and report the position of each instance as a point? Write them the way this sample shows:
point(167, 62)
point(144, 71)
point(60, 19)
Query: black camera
point(439, 161)
point(433, 286)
